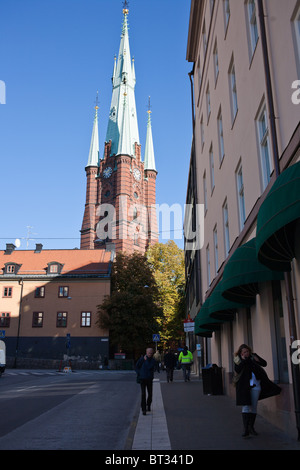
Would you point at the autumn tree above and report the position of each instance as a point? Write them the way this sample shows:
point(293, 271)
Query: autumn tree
point(167, 262)
point(132, 310)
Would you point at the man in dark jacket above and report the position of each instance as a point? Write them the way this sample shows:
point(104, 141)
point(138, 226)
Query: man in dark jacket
point(170, 363)
point(145, 371)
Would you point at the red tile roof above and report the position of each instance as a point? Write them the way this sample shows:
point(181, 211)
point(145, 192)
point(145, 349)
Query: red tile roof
point(75, 262)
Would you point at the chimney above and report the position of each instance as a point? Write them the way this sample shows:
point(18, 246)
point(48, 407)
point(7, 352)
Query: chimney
point(38, 247)
point(9, 248)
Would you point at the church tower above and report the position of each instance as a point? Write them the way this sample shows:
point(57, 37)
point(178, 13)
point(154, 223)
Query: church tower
point(121, 187)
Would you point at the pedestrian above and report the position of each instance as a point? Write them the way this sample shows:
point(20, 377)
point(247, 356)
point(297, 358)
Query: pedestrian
point(170, 363)
point(186, 360)
point(252, 384)
point(157, 358)
point(145, 372)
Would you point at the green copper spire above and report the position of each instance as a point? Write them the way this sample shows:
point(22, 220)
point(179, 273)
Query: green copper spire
point(149, 161)
point(122, 127)
point(93, 159)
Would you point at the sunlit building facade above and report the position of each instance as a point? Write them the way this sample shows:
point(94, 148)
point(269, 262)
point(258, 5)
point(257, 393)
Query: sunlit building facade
point(243, 278)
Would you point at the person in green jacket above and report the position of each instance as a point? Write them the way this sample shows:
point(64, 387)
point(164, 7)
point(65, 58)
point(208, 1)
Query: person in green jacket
point(186, 360)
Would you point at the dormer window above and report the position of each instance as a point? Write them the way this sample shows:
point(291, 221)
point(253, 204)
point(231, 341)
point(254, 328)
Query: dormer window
point(11, 268)
point(54, 267)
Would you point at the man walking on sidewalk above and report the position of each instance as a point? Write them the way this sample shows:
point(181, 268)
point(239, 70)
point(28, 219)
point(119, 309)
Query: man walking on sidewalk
point(170, 363)
point(186, 360)
point(145, 371)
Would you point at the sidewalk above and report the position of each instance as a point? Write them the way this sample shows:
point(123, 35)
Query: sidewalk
point(183, 418)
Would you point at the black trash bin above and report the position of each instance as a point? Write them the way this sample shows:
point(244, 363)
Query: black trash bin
point(212, 380)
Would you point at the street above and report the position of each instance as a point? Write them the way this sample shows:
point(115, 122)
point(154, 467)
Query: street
point(82, 410)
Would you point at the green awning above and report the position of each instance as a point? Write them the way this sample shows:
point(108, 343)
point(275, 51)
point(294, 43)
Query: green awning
point(280, 211)
point(204, 324)
point(221, 308)
point(243, 273)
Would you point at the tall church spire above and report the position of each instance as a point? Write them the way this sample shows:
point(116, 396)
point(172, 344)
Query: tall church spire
point(122, 129)
point(149, 162)
point(93, 159)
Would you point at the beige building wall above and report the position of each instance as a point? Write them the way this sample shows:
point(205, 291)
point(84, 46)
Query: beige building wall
point(210, 39)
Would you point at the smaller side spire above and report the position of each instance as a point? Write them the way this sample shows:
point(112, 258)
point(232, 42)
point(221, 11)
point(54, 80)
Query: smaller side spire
point(149, 162)
point(93, 159)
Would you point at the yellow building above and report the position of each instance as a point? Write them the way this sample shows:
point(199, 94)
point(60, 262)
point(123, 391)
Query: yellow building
point(243, 277)
point(48, 303)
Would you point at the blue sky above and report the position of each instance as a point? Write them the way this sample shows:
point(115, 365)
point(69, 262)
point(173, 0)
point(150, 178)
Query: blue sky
point(55, 55)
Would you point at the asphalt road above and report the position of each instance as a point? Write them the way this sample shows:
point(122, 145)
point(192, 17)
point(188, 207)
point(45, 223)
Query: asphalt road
point(84, 410)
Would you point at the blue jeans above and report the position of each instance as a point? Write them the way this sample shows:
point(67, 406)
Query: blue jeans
point(186, 369)
point(255, 392)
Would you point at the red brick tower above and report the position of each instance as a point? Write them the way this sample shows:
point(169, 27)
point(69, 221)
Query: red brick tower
point(121, 188)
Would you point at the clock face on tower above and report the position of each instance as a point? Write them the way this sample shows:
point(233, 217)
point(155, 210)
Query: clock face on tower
point(137, 174)
point(107, 172)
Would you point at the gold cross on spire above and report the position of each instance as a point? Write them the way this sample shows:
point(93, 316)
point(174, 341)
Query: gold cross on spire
point(125, 7)
point(97, 101)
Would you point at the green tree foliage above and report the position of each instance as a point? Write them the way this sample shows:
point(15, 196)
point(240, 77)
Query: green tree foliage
point(132, 311)
point(167, 262)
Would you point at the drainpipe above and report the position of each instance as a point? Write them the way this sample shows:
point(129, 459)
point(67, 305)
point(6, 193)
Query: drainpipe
point(288, 283)
point(21, 282)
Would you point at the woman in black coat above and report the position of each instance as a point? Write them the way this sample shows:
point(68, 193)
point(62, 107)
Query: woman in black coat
point(252, 384)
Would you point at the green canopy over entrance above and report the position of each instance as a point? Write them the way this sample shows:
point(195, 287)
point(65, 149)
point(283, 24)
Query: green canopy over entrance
point(276, 220)
point(243, 273)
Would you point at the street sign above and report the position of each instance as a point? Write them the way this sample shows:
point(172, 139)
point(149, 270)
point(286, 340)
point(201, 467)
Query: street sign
point(189, 326)
point(156, 338)
point(68, 341)
point(2, 333)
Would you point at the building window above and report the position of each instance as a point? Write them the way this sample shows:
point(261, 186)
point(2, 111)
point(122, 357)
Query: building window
point(226, 228)
point(216, 62)
point(202, 131)
point(208, 108)
point(4, 319)
point(53, 268)
point(85, 320)
point(61, 319)
point(39, 292)
point(233, 90)
point(10, 268)
point(7, 291)
point(296, 23)
point(241, 196)
point(205, 191)
point(216, 249)
point(221, 137)
point(212, 169)
point(37, 319)
point(63, 291)
point(252, 25)
point(264, 147)
point(226, 13)
point(198, 74)
point(204, 38)
point(208, 265)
